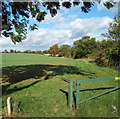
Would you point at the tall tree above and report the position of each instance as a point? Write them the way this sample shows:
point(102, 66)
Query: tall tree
point(85, 46)
point(113, 30)
point(111, 46)
point(53, 50)
point(15, 15)
point(65, 50)
point(11, 51)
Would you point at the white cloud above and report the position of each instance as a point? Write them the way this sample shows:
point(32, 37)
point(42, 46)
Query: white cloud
point(101, 7)
point(58, 20)
point(46, 37)
point(42, 38)
point(38, 40)
point(81, 27)
point(5, 42)
point(61, 20)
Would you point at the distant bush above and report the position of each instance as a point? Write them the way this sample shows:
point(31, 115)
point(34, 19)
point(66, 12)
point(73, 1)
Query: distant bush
point(83, 47)
point(101, 59)
point(60, 54)
point(65, 50)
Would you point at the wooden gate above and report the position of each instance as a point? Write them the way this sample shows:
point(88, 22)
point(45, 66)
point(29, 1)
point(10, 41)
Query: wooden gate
point(72, 83)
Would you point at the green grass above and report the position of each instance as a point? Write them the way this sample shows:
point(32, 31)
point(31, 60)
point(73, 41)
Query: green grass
point(37, 91)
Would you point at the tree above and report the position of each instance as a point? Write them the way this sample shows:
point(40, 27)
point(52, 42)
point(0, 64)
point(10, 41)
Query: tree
point(84, 46)
point(15, 15)
point(113, 30)
point(27, 51)
point(45, 52)
point(53, 50)
point(11, 51)
point(111, 46)
point(65, 50)
point(5, 51)
point(38, 52)
point(19, 51)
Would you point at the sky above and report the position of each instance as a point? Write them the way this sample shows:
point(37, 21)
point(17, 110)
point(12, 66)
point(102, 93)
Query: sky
point(66, 27)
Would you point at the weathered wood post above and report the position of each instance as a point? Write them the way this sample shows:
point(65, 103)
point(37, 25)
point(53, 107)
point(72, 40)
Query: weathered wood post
point(77, 94)
point(70, 94)
point(9, 105)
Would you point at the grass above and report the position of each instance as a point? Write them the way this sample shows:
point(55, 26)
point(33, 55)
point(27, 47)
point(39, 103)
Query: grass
point(33, 82)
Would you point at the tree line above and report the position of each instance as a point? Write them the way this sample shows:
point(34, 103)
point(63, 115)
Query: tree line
point(105, 52)
point(26, 51)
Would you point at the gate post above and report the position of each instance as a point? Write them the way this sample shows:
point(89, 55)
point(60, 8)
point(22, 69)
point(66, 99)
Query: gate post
point(70, 94)
point(77, 94)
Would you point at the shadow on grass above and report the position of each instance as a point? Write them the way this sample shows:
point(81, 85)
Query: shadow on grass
point(92, 61)
point(5, 91)
point(74, 97)
point(14, 74)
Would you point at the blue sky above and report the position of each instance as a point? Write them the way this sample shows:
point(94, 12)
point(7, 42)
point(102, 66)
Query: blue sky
point(66, 27)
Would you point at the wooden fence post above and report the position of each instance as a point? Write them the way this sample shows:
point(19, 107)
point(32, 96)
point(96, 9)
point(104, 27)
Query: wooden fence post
point(77, 94)
point(9, 105)
point(70, 94)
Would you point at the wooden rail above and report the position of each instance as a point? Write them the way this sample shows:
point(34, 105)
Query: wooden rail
point(68, 81)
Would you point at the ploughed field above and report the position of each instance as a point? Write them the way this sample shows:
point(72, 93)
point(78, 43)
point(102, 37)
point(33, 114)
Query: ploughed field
point(34, 83)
